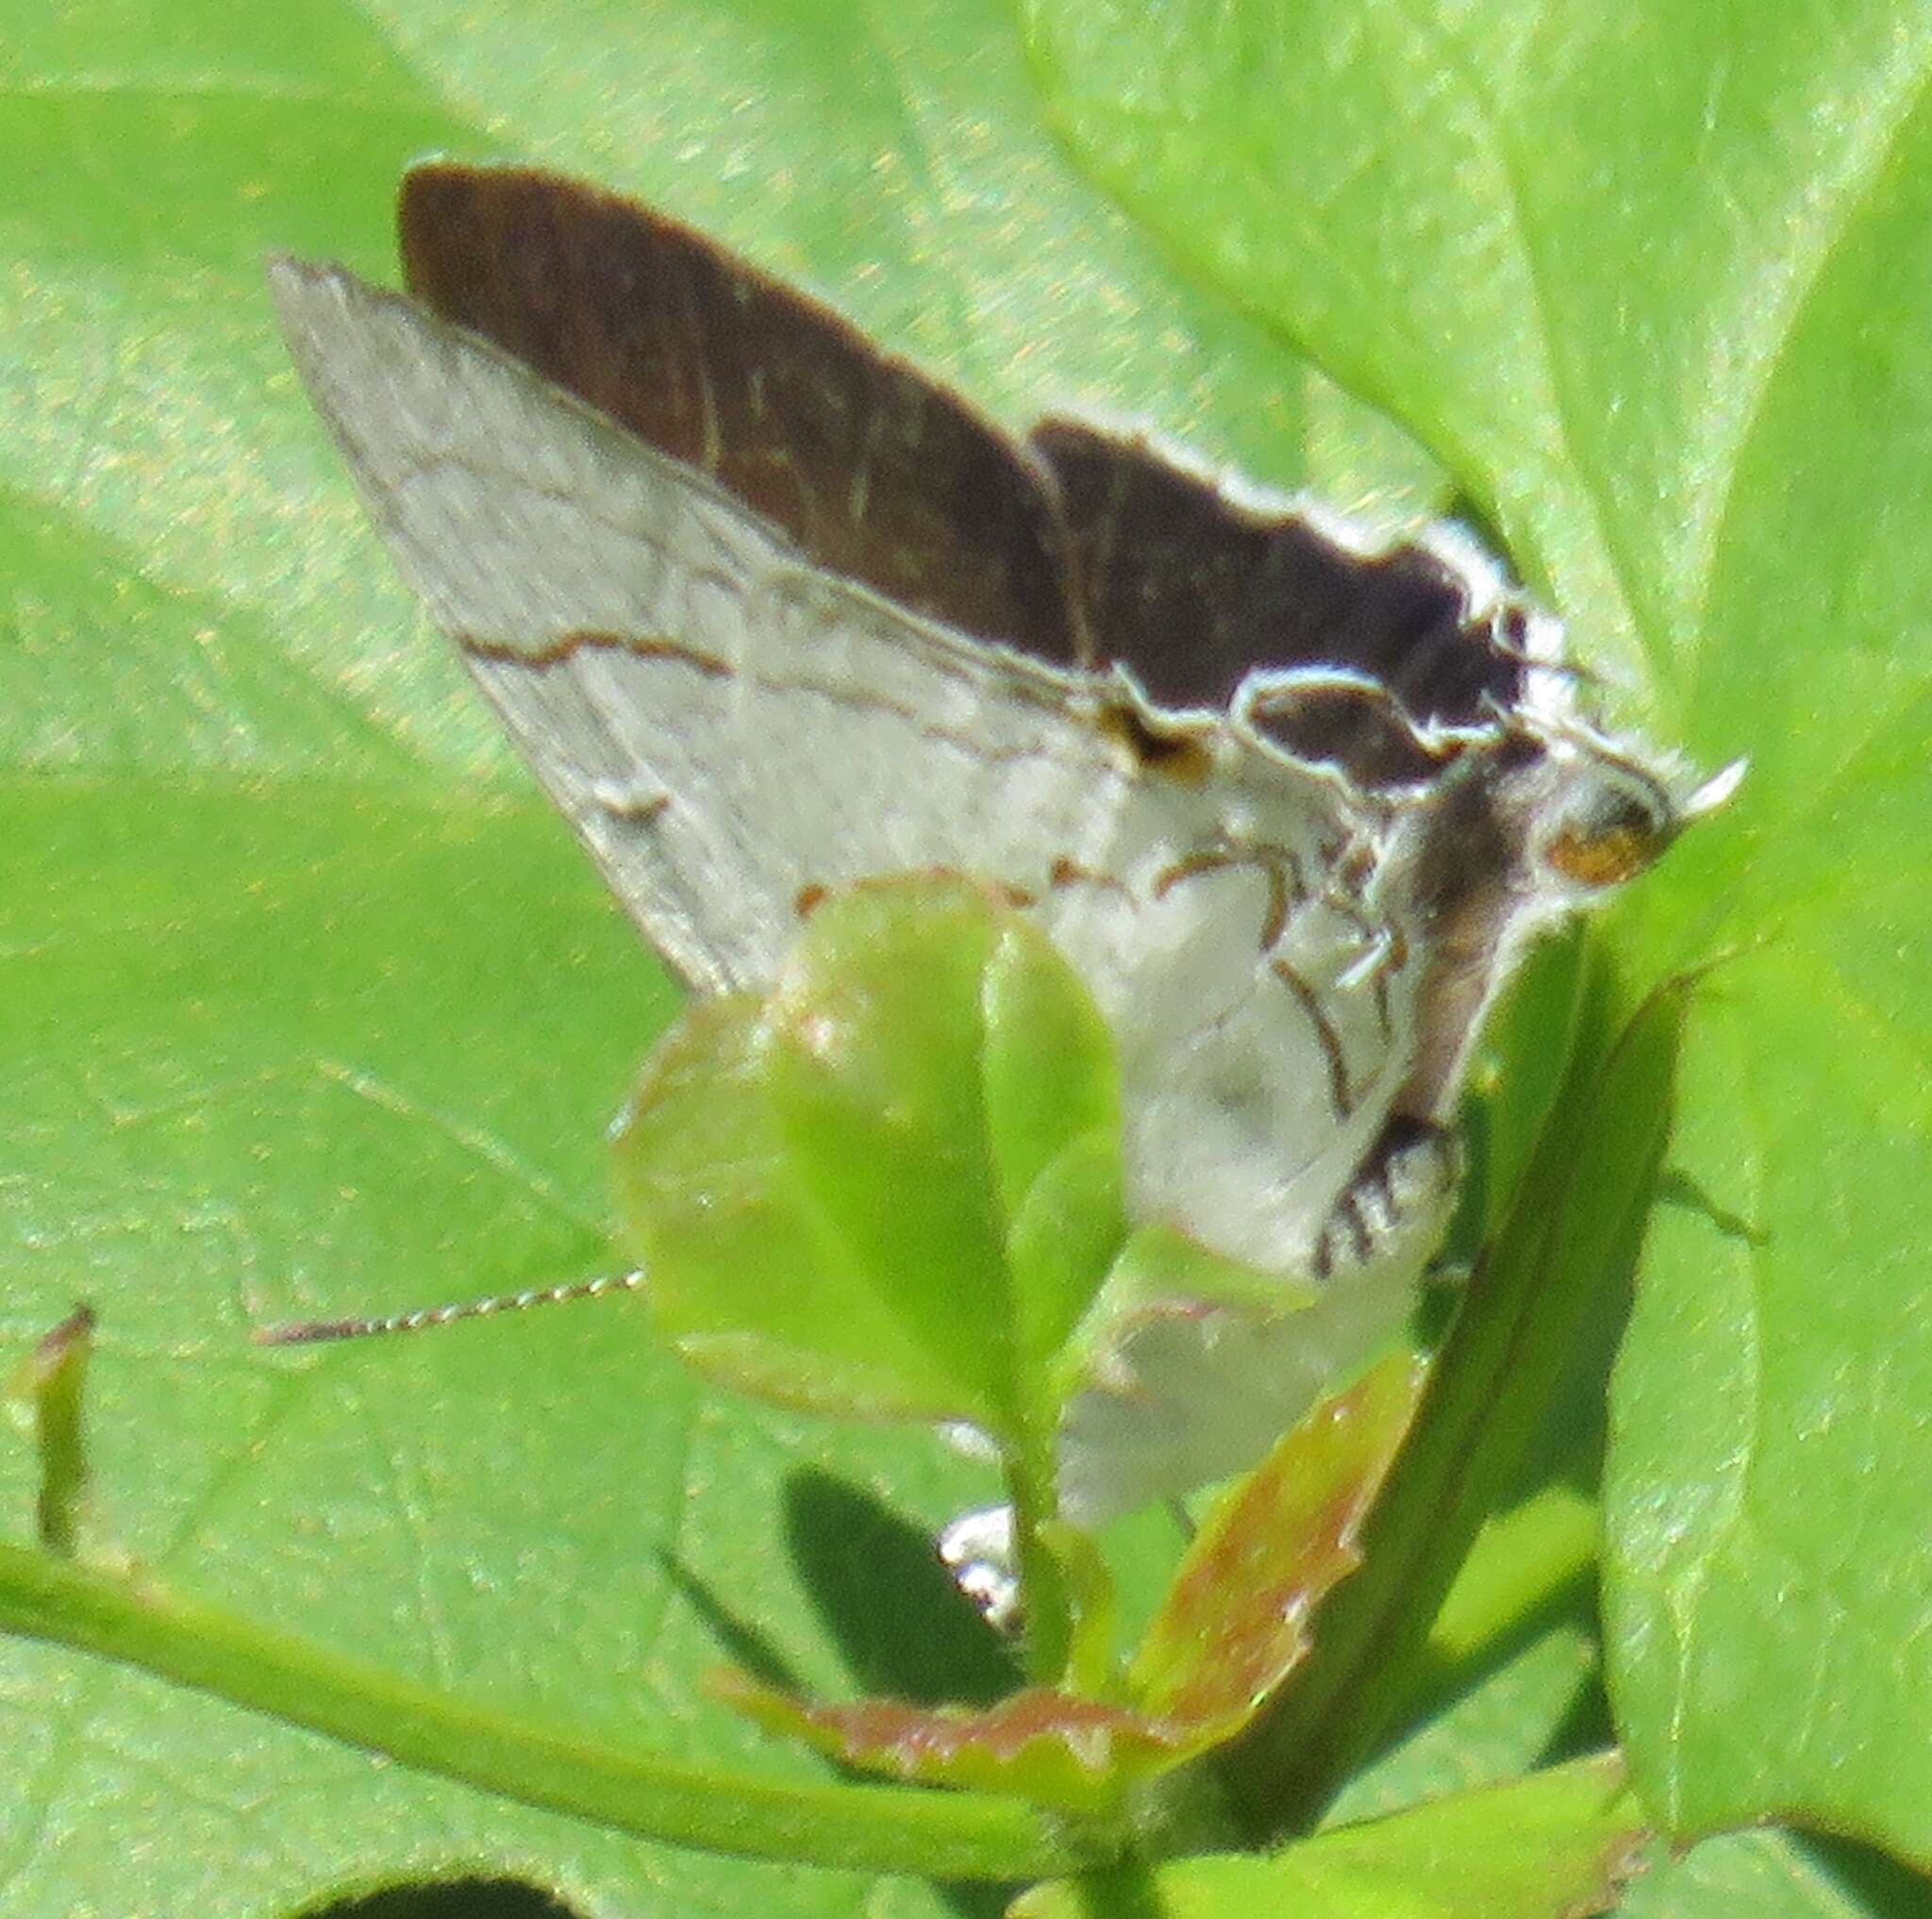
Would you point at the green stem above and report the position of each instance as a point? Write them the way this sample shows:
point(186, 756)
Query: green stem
point(48, 1392)
point(1577, 1211)
point(131, 1618)
point(1043, 1581)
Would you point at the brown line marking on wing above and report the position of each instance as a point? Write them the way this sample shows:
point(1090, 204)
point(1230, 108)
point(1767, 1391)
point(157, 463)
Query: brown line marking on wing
point(559, 651)
point(1351, 864)
point(1065, 871)
point(1383, 1018)
point(1346, 1216)
point(865, 699)
point(1277, 865)
point(1339, 1094)
point(644, 812)
point(807, 900)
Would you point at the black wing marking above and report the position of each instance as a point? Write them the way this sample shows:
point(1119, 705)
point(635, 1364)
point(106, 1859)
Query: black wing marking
point(1191, 591)
point(883, 476)
point(878, 473)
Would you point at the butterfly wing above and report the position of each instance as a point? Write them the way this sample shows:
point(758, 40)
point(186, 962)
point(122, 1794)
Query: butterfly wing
point(732, 730)
point(728, 728)
point(768, 612)
point(866, 464)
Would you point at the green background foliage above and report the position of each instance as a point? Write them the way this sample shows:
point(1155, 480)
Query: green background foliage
point(309, 1005)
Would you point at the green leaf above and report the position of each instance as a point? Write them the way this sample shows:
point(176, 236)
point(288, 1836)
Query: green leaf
point(1236, 1622)
point(1556, 1845)
point(440, 1009)
point(125, 1613)
point(1238, 1618)
point(1653, 285)
point(1774, 1875)
point(1077, 1754)
point(828, 1187)
point(309, 1006)
point(750, 1282)
point(1770, 1580)
point(1051, 1083)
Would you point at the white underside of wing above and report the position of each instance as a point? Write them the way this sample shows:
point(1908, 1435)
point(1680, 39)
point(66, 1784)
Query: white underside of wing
point(1201, 1394)
point(730, 730)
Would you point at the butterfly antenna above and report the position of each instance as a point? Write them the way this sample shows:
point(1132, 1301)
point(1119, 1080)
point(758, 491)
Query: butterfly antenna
point(310, 1332)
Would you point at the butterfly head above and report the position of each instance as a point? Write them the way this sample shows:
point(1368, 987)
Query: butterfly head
point(1598, 813)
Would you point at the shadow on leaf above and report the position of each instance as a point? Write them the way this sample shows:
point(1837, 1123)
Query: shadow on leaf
point(903, 1629)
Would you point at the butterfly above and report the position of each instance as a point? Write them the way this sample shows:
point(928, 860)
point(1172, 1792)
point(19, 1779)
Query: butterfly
point(770, 611)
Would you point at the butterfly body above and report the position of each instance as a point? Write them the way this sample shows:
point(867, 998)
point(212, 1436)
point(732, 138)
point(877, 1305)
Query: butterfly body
point(769, 613)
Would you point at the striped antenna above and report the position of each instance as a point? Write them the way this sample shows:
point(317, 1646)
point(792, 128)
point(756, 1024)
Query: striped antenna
point(309, 1332)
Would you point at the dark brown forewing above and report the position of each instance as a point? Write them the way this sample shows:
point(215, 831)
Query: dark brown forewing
point(1192, 590)
point(876, 472)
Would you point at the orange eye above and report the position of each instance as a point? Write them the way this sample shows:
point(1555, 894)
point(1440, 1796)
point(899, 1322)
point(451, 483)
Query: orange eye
point(1605, 857)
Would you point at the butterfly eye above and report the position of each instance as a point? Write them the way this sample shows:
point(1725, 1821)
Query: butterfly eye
point(1612, 834)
